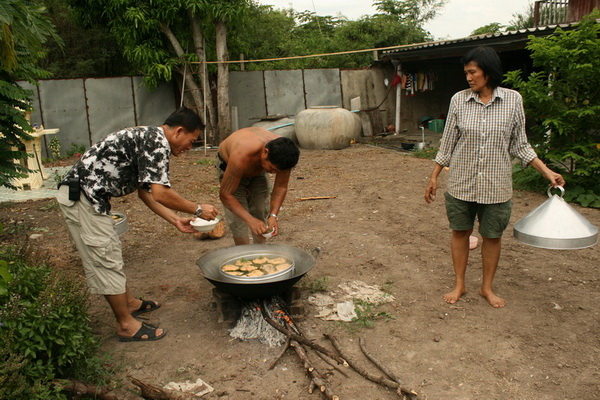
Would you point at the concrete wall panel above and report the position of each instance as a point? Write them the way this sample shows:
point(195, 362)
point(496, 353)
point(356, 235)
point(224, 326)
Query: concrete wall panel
point(323, 87)
point(153, 107)
point(285, 92)
point(62, 103)
point(110, 105)
point(247, 93)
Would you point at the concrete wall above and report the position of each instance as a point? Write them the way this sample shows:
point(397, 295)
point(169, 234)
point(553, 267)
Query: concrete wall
point(87, 110)
point(266, 93)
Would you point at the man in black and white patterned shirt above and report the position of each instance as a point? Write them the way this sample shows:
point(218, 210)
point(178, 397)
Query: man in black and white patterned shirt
point(130, 160)
point(485, 129)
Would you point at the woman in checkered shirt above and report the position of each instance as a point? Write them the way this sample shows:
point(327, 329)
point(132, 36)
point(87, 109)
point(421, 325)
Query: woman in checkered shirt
point(484, 131)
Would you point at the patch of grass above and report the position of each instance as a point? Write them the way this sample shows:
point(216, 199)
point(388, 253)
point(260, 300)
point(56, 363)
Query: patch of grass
point(50, 207)
point(367, 315)
point(316, 285)
point(427, 153)
point(205, 161)
point(388, 285)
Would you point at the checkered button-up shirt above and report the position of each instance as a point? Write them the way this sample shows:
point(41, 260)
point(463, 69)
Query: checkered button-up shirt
point(479, 143)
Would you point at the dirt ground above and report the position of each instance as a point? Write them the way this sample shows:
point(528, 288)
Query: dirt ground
point(544, 344)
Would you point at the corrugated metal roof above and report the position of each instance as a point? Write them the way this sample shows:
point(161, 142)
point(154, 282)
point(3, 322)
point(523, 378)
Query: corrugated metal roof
point(503, 38)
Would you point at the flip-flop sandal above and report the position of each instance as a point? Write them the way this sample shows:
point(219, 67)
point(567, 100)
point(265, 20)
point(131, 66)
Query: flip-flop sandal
point(147, 306)
point(145, 329)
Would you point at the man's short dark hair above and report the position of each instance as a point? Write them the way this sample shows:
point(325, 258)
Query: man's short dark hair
point(283, 152)
point(186, 118)
point(487, 59)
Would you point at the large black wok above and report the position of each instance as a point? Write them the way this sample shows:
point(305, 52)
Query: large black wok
point(211, 263)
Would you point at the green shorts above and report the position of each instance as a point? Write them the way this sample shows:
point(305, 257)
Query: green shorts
point(254, 195)
point(493, 218)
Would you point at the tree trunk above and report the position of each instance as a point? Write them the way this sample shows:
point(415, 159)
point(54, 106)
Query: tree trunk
point(223, 111)
point(190, 82)
point(203, 77)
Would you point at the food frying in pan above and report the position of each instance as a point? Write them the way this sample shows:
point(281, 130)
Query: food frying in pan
point(257, 266)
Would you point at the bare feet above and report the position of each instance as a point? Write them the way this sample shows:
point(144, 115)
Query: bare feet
point(495, 301)
point(453, 296)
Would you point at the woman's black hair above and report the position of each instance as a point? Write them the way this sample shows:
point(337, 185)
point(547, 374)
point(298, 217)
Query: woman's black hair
point(186, 118)
point(487, 59)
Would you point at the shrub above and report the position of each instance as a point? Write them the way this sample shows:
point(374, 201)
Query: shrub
point(562, 101)
point(44, 330)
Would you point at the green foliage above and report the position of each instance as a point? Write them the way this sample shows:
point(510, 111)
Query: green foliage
point(44, 332)
point(205, 161)
point(366, 315)
point(316, 285)
point(494, 27)
point(23, 32)
point(5, 276)
point(522, 21)
point(76, 150)
point(287, 33)
point(88, 50)
point(54, 146)
point(562, 102)
point(427, 153)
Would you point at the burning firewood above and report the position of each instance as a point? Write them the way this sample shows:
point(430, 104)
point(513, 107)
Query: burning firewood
point(302, 339)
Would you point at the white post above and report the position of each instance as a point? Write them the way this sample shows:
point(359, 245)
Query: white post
point(398, 100)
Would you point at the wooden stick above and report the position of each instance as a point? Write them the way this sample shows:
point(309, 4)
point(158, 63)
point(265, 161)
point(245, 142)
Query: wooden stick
point(301, 339)
point(378, 364)
point(285, 347)
point(341, 371)
point(377, 379)
point(316, 377)
point(154, 392)
point(79, 388)
point(316, 198)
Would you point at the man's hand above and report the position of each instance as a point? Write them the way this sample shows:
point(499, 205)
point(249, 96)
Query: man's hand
point(273, 226)
point(183, 224)
point(431, 190)
point(209, 212)
point(258, 227)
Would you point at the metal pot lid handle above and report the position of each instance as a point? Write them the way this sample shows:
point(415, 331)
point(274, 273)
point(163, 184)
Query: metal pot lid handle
point(316, 252)
point(562, 190)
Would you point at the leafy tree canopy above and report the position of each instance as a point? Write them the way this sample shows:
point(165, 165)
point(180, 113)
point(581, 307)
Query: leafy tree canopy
point(563, 102)
point(494, 27)
point(23, 31)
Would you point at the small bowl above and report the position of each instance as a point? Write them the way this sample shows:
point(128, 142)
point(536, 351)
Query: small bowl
point(269, 234)
point(120, 222)
point(202, 225)
point(473, 242)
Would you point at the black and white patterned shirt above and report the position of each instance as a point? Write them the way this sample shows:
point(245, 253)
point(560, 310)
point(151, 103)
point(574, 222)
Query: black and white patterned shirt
point(121, 163)
point(479, 143)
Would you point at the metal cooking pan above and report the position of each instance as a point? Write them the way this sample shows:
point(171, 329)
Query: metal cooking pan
point(211, 263)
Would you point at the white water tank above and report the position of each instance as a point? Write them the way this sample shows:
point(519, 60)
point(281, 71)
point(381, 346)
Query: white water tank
point(325, 128)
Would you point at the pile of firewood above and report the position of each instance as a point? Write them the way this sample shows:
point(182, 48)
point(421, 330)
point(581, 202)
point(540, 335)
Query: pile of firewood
point(339, 362)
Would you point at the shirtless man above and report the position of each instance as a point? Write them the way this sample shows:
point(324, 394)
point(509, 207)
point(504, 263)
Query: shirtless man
point(245, 158)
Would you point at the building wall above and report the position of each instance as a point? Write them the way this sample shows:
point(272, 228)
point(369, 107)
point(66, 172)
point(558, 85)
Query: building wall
point(87, 110)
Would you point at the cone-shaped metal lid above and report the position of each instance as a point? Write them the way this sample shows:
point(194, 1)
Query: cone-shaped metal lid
point(556, 225)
